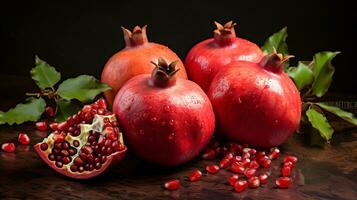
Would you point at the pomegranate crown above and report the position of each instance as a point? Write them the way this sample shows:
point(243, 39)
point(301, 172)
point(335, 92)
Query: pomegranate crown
point(136, 37)
point(275, 61)
point(227, 28)
point(163, 73)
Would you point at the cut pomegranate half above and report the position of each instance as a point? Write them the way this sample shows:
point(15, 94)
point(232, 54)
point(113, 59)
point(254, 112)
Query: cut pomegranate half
point(85, 145)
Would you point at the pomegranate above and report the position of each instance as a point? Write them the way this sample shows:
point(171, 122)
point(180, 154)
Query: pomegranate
point(84, 145)
point(166, 121)
point(206, 58)
point(135, 59)
point(256, 103)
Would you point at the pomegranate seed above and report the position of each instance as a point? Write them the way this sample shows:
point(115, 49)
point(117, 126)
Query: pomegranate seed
point(235, 148)
point(266, 163)
point(254, 164)
point(249, 172)
point(259, 155)
point(212, 169)
point(288, 164)
point(63, 126)
point(286, 171)
point(59, 164)
point(274, 153)
point(41, 126)
point(23, 138)
point(229, 156)
point(263, 178)
point(209, 155)
point(233, 179)
point(59, 137)
point(245, 162)
point(240, 185)
point(195, 175)
point(252, 151)
point(44, 146)
point(290, 158)
point(237, 168)
point(110, 133)
point(253, 182)
point(54, 126)
point(101, 103)
point(172, 184)
point(78, 161)
point(50, 111)
point(224, 163)
point(245, 155)
point(283, 182)
point(86, 108)
point(8, 147)
point(237, 159)
point(87, 149)
point(76, 143)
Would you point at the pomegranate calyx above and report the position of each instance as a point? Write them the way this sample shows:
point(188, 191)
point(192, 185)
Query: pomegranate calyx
point(136, 37)
point(275, 61)
point(163, 73)
point(224, 34)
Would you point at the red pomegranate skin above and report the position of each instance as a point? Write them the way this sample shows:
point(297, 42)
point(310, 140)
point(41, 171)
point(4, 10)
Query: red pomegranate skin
point(256, 104)
point(135, 59)
point(165, 126)
point(206, 58)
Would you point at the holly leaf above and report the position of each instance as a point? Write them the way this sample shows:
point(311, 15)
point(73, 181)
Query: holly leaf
point(30, 111)
point(347, 116)
point(44, 75)
point(277, 41)
point(323, 72)
point(65, 109)
point(84, 88)
point(302, 75)
point(319, 122)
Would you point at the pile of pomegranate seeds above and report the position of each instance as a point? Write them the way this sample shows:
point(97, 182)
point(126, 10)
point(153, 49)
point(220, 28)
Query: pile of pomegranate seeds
point(249, 166)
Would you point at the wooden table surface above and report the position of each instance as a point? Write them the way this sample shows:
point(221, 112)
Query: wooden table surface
point(321, 173)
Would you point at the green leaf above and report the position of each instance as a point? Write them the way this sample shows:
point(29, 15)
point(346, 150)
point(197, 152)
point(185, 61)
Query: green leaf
point(347, 116)
point(65, 109)
point(30, 111)
point(301, 75)
point(323, 72)
point(84, 88)
point(44, 75)
point(277, 41)
point(319, 122)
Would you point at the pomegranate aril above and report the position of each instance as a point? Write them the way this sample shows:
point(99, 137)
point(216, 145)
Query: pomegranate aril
point(286, 171)
point(63, 126)
point(209, 155)
point(66, 160)
point(224, 163)
point(249, 172)
point(74, 168)
point(266, 163)
point(87, 149)
point(212, 169)
point(80, 169)
point(90, 158)
point(76, 143)
point(83, 156)
point(236, 159)
point(59, 164)
point(274, 153)
point(101, 103)
point(65, 145)
point(59, 137)
point(259, 155)
point(78, 161)
point(44, 146)
point(290, 158)
point(51, 157)
point(195, 175)
point(283, 182)
point(109, 151)
point(253, 182)
point(23, 138)
point(41, 126)
point(50, 111)
point(103, 159)
point(237, 168)
point(8, 147)
point(233, 179)
point(254, 164)
point(240, 185)
point(54, 126)
point(288, 164)
point(97, 165)
point(101, 111)
point(263, 178)
point(64, 153)
point(172, 184)
point(72, 151)
point(245, 162)
point(245, 155)
point(56, 151)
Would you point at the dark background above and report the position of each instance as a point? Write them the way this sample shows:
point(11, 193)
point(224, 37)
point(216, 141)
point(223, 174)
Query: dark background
point(77, 37)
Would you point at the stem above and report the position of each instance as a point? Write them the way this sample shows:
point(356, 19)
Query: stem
point(224, 35)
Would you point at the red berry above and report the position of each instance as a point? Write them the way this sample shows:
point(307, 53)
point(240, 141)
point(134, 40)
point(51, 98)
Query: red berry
point(254, 164)
point(240, 185)
point(8, 147)
point(263, 178)
point(41, 126)
point(212, 169)
point(173, 184)
point(23, 138)
point(50, 111)
point(274, 153)
point(249, 172)
point(283, 182)
point(253, 182)
point(195, 175)
point(290, 158)
point(288, 164)
point(209, 154)
point(236, 167)
point(233, 179)
point(54, 126)
point(286, 171)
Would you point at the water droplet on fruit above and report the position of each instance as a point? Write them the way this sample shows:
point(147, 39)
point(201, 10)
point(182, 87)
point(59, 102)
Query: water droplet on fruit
point(171, 136)
point(153, 119)
point(171, 122)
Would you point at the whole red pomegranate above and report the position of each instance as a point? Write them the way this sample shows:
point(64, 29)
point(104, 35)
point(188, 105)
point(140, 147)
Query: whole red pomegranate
point(256, 103)
point(84, 145)
point(135, 59)
point(166, 121)
point(206, 58)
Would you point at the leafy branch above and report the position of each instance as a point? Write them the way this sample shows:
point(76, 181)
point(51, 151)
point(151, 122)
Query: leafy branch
point(313, 80)
point(67, 97)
